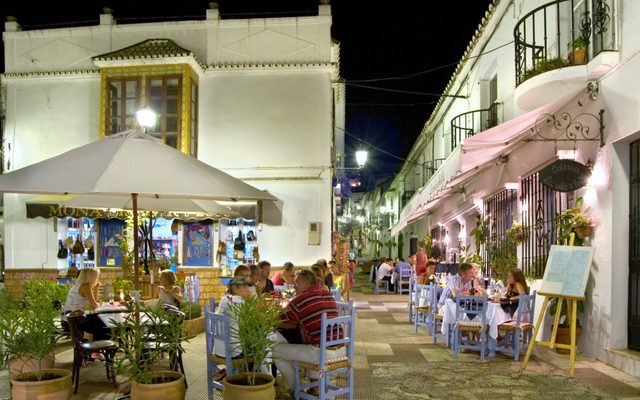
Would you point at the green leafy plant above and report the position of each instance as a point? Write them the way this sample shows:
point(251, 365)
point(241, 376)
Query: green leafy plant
point(256, 319)
point(544, 66)
point(27, 330)
point(191, 310)
point(390, 244)
point(569, 220)
point(122, 284)
point(579, 43)
point(536, 269)
point(517, 232)
point(503, 258)
point(564, 312)
point(138, 357)
point(471, 259)
point(427, 241)
point(481, 232)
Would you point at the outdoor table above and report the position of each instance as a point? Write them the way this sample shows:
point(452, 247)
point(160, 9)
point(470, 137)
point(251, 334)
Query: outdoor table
point(494, 313)
point(107, 308)
point(110, 319)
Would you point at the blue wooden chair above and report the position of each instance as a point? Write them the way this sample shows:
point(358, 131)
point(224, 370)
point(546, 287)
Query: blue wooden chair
point(404, 281)
point(334, 333)
point(517, 333)
point(213, 306)
point(471, 319)
point(412, 295)
point(436, 328)
point(337, 293)
point(423, 308)
point(217, 327)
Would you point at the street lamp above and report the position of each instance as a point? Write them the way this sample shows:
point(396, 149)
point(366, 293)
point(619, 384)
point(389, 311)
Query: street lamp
point(146, 118)
point(383, 209)
point(361, 157)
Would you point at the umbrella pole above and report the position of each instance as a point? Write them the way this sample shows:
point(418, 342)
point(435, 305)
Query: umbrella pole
point(136, 272)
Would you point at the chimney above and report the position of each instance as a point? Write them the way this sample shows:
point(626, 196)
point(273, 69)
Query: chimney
point(106, 18)
point(214, 11)
point(12, 24)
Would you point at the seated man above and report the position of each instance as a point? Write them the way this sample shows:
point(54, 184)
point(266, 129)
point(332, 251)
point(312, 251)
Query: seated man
point(385, 270)
point(305, 312)
point(459, 284)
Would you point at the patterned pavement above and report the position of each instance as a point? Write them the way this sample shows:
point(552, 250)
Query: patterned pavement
point(392, 362)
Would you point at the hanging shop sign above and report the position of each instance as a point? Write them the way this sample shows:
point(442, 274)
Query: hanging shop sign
point(565, 175)
point(35, 210)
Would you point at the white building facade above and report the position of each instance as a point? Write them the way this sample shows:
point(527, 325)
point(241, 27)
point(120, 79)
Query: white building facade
point(520, 99)
point(256, 98)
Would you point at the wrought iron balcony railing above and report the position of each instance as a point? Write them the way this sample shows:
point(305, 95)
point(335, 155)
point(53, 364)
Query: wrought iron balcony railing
point(430, 168)
point(562, 33)
point(468, 124)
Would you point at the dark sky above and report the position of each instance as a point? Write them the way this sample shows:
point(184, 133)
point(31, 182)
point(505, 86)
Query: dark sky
point(378, 39)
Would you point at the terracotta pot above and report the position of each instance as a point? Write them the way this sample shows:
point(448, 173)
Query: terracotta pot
point(234, 391)
point(24, 365)
point(564, 336)
point(174, 390)
point(578, 57)
point(53, 389)
point(584, 231)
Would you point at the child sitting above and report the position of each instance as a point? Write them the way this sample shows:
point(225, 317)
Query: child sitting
point(167, 292)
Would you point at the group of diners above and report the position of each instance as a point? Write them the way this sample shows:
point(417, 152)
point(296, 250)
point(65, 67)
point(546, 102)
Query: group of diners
point(298, 335)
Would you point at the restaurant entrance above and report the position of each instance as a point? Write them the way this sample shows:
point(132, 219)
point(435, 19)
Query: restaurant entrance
point(633, 325)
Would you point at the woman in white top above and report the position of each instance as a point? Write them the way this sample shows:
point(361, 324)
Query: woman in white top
point(238, 291)
point(80, 297)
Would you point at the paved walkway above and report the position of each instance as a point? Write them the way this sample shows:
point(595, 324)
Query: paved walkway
point(394, 363)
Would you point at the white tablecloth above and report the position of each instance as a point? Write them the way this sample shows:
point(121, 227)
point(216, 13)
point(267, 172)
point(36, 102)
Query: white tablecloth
point(111, 318)
point(494, 313)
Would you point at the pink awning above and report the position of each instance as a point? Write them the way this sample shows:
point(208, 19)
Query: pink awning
point(475, 154)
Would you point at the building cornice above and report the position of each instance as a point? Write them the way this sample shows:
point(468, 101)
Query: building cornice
point(77, 73)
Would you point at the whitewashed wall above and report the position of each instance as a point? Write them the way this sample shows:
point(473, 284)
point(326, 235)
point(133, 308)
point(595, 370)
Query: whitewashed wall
point(265, 111)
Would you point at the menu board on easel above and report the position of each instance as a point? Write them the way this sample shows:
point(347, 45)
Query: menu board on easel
point(567, 271)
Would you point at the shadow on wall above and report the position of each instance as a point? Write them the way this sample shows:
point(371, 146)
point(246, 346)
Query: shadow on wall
point(272, 212)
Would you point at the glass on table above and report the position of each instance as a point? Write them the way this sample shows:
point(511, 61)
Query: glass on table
point(111, 298)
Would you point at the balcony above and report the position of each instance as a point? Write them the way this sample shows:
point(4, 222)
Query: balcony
point(468, 124)
point(430, 168)
point(572, 38)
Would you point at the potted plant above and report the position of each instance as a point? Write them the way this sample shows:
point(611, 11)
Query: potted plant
point(256, 319)
point(140, 358)
point(573, 220)
point(122, 287)
point(563, 335)
point(481, 232)
point(27, 334)
point(517, 232)
point(578, 54)
point(582, 225)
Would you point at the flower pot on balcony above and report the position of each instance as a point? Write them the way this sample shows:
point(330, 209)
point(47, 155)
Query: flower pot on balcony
point(584, 231)
point(578, 57)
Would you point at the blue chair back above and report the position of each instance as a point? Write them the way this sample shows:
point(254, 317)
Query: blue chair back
point(526, 306)
point(336, 293)
point(344, 308)
point(338, 331)
point(472, 307)
point(423, 295)
point(216, 327)
point(213, 306)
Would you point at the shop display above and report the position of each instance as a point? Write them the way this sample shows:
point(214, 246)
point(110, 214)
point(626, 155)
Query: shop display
point(110, 233)
point(75, 239)
point(240, 242)
point(198, 244)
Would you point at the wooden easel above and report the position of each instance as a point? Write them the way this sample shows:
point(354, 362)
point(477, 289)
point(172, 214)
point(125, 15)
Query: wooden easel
point(572, 313)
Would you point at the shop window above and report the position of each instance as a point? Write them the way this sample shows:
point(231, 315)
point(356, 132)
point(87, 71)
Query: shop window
point(198, 244)
point(165, 242)
point(76, 239)
point(124, 101)
point(164, 96)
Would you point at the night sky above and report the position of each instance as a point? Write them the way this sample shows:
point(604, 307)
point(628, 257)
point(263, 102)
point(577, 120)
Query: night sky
point(378, 40)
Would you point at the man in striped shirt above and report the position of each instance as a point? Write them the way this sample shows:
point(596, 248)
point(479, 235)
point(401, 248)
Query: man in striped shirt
point(305, 312)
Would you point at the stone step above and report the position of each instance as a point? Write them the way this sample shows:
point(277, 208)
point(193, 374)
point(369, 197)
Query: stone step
point(625, 360)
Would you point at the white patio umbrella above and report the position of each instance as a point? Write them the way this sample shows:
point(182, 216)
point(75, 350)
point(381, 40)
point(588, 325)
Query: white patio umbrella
point(130, 164)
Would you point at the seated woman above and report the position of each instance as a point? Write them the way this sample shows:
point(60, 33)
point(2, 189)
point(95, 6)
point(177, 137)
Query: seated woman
point(317, 271)
point(517, 287)
point(236, 293)
point(167, 292)
point(285, 276)
point(81, 297)
point(429, 276)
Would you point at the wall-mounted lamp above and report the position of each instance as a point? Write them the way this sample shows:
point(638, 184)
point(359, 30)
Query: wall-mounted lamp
point(566, 154)
point(511, 185)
